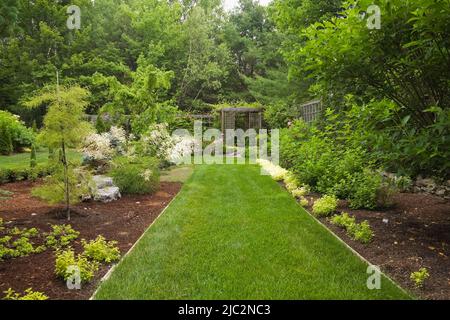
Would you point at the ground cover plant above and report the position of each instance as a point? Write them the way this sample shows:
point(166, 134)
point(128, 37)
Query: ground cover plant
point(92, 218)
point(325, 205)
point(358, 231)
point(29, 294)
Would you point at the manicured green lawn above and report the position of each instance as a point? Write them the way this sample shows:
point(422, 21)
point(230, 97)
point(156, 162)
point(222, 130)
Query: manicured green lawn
point(22, 160)
point(234, 234)
point(177, 174)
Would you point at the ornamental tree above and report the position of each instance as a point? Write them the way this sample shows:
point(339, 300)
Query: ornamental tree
point(63, 128)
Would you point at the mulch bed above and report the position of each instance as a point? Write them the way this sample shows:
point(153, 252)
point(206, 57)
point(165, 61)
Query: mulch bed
point(416, 235)
point(123, 220)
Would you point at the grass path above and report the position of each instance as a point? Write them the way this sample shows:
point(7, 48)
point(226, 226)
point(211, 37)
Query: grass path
point(234, 234)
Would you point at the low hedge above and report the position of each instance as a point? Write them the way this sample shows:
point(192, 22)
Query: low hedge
point(13, 175)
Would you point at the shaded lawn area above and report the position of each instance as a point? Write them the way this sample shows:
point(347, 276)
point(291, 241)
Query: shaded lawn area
point(234, 234)
point(22, 160)
point(177, 174)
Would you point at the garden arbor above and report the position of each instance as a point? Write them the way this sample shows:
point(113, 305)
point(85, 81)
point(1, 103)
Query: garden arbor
point(241, 118)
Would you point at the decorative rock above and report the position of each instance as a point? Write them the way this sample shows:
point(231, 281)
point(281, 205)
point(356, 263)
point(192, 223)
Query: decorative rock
point(102, 181)
point(107, 194)
point(428, 183)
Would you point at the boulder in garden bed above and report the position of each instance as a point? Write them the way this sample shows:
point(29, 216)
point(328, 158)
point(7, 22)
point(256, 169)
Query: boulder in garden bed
point(102, 181)
point(107, 194)
point(105, 190)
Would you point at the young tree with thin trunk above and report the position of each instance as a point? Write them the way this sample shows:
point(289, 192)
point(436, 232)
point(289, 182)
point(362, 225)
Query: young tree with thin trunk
point(63, 128)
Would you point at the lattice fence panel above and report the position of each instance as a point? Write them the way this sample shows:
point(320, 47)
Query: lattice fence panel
point(229, 120)
point(254, 120)
point(310, 111)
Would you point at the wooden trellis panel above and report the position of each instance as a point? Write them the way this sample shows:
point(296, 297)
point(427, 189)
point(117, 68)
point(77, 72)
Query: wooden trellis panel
point(244, 118)
point(229, 120)
point(254, 120)
point(310, 111)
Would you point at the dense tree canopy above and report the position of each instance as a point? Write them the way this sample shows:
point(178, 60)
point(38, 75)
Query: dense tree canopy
point(211, 56)
point(146, 61)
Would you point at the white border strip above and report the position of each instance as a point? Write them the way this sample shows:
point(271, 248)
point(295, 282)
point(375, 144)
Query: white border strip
point(108, 274)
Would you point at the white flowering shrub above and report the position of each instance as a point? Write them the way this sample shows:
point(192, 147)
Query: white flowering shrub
point(157, 142)
point(97, 147)
point(183, 148)
point(117, 139)
point(101, 147)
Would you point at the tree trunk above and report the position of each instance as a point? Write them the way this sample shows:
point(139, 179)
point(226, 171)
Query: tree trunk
point(66, 179)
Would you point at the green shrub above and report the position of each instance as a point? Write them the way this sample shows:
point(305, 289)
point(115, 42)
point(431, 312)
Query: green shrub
point(360, 232)
point(419, 277)
point(13, 175)
point(29, 294)
point(61, 236)
point(325, 205)
point(365, 189)
point(66, 259)
point(53, 192)
point(304, 202)
point(357, 231)
point(136, 175)
point(343, 220)
point(13, 133)
point(299, 192)
point(100, 250)
point(6, 146)
point(385, 194)
point(402, 183)
point(33, 162)
point(291, 182)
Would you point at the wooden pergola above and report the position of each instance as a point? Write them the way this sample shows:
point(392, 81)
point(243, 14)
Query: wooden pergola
point(241, 118)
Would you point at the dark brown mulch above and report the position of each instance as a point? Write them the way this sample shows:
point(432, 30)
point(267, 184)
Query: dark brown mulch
point(123, 220)
point(416, 235)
